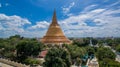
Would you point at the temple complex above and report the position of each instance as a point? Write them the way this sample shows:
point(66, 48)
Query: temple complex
point(54, 34)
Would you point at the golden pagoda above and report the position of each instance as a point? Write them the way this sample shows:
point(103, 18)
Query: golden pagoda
point(54, 34)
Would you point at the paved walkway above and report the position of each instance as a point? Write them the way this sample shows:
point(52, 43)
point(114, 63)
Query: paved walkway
point(118, 58)
point(93, 62)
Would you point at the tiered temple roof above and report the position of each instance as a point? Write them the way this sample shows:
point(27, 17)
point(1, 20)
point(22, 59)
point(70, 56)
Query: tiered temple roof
point(54, 34)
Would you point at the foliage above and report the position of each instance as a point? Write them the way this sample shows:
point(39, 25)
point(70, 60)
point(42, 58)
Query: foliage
point(57, 57)
point(32, 61)
point(118, 48)
point(109, 63)
point(78, 61)
point(75, 52)
point(94, 41)
point(104, 52)
point(15, 36)
point(21, 49)
point(8, 47)
point(18, 48)
point(27, 48)
point(113, 42)
point(90, 50)
point(81, 42)
point(101, 41)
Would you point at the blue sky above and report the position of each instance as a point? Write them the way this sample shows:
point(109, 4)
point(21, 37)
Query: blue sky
point(77, 18)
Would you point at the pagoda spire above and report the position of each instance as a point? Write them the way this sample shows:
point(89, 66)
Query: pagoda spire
point(54, 34)
point(54, 18)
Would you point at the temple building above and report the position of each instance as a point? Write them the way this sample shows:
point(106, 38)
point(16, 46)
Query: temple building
point(54, 34)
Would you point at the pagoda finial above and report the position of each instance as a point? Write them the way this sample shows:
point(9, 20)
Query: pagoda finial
point(54, 19)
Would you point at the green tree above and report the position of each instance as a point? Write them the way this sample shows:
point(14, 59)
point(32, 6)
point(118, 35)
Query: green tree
point(57, 57)
point(18, 48)
point(28, 48)
point(118, 48)
point(106, 62)
point(32, 61)
point(76, 52)
point(15, 36)
point(109, 41)
point(78, 62)
point(90, 50)
point(94, 41)
point(7, 49)
point(81, 42)
point(104, 52)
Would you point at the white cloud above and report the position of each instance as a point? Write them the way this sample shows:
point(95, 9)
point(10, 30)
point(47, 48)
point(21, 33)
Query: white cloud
point(41, 24)
point(106, 23)
point(91, 7)
point(91, 22)
point(67, 9)
point(118, 2)
point(0, 5)
point(97, 10)
point(6, 4)
point(13, 21)
point(10, 25)
point(105, 0)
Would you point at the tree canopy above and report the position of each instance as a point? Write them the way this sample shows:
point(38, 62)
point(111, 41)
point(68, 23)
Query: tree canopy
point(104, 52)
point(118, 48)
point(57, 57)
point(28, 48)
